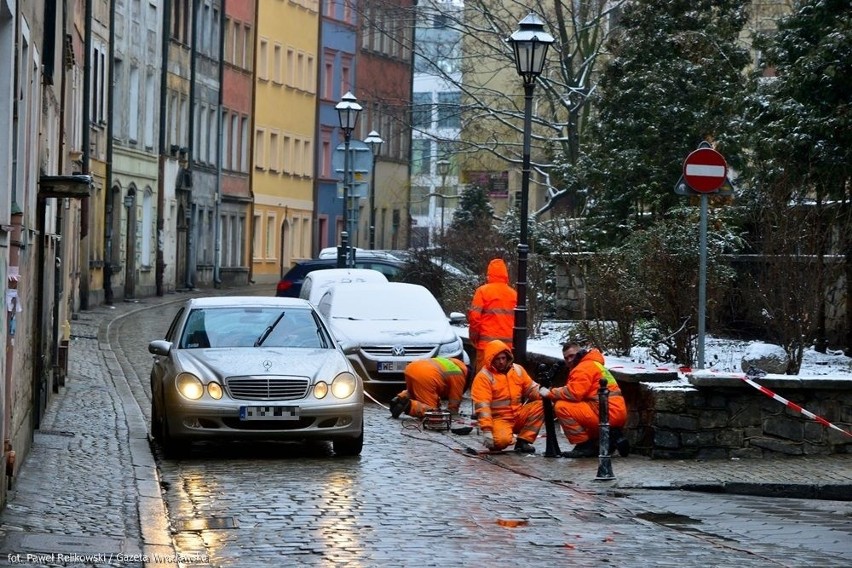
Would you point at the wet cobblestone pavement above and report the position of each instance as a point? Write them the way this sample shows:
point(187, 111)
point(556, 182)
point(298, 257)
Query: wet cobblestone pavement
point(414, 498)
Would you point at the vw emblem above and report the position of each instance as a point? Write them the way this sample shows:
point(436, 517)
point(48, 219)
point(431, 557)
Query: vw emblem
point(267, 364)
point(398, 351)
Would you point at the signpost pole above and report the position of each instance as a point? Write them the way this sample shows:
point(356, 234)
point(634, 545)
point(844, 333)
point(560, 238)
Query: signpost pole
point(704, 171)
point(702, 280)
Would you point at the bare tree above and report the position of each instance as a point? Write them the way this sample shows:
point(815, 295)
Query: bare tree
point(481, 67)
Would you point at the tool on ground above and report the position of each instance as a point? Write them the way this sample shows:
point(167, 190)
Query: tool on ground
point(437, 420)
point(754, 373)
point(545, 376)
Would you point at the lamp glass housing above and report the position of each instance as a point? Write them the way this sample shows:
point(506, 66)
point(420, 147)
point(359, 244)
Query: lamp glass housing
point(530, 43)
point(348, 110)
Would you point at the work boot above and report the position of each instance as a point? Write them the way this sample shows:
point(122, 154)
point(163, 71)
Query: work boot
point(617, 442)
point(399, 404)
point(524, 447)
point(588, 449)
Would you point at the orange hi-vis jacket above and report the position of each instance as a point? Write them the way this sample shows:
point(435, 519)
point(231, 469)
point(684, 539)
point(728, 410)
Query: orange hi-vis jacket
point(428, 381)
point(500, 395)
point(583, 380)
point(492, 311)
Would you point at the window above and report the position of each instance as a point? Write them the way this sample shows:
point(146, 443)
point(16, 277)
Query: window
point(421, 112)
point(346, 73)
point(236, 142)
point(213, 139)
point(262, 63)
point(259, 149)
point(273, 152)
point(328, 78)
point(133, 111)
point(310, 80)
point(150, 112)
point(287, 163)
point(270, 237)
point(276, 64)
point(256, 232)
point(300, 71)
point(147, 228)
point(421, 159)
point(449, 110)
point(244, 145)
point(291, 67)
point(227, 139)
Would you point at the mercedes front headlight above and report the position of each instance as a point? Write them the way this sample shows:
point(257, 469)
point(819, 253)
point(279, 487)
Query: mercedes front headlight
point(344, 385)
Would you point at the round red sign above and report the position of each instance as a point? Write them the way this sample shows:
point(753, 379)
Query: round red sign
point(705, 170)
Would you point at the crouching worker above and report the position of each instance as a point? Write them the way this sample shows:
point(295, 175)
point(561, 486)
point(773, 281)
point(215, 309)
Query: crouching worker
point(427, 383)
point(576, 405)
point(506, 401)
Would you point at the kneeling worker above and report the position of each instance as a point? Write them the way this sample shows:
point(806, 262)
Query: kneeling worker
point(506, 400)
point(576, 404)
point(427, 382)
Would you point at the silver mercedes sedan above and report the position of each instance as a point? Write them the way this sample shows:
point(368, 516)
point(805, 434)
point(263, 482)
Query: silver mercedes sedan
point(253, 368)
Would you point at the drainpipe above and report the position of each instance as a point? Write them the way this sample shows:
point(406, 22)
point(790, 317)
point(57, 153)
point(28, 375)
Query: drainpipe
point(108, 194)
point(190, 207)
point(85, 271)
point(161, 161)
point(220, 144)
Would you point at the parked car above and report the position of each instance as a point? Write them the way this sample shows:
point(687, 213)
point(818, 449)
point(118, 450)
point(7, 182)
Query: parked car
point(383, 327)
point(318, 281)
point(249, 368)
point(290, 286)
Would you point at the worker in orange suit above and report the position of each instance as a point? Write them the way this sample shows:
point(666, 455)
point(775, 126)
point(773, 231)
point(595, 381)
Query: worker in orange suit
point(506, 401)
point(427, 383)
point(492, 310)
point(576, 405)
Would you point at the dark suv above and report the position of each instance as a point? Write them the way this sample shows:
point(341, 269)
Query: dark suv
point(291, 284)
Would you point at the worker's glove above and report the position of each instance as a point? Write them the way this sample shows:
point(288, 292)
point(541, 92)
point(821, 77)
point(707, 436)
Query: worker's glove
point(544, 392)
point(488, 440)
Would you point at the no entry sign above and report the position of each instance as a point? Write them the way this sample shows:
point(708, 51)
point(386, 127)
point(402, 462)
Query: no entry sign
point(705, 170)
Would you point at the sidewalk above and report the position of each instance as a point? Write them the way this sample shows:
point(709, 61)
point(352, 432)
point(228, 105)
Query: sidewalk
point(90, 482)
point(805, 477)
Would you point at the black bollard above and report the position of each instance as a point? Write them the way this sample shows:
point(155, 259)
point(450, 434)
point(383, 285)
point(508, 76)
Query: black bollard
point(604, 460)
point(342, 250)
point(545, 379)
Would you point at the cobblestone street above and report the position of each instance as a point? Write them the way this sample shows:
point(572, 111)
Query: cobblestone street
point(91, 486)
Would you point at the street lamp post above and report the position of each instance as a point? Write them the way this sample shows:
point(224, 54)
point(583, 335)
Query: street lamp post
point(530, 43)
point(375, 141)
point(443, 167)
point(348, 110)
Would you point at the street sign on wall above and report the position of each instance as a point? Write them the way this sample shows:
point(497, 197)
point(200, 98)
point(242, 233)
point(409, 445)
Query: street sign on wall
point(705, 170)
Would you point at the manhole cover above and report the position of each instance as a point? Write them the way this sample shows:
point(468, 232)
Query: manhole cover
point(206, 524)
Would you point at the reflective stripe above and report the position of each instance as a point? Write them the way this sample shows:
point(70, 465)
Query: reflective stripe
point(479, 405)
point(446, 366)
point(500, 403)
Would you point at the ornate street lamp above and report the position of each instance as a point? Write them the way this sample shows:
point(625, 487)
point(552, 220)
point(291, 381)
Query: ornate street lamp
point(530, 43)
point(443, 167)
point(375, 141)
point(348, 110)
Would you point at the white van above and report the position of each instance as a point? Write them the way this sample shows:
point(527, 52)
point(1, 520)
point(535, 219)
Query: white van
point(318, 281)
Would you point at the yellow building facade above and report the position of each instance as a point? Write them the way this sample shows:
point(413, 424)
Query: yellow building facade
point(285, 109)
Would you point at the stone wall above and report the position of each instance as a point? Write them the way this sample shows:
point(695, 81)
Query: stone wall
point(721, 416)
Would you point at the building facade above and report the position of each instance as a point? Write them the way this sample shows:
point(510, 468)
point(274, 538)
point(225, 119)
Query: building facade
point(282, 171)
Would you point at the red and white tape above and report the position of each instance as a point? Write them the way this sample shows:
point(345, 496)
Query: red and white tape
point(792, 405)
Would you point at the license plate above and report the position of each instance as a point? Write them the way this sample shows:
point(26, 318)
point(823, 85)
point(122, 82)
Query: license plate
point(269, 413)
point(391, 366)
